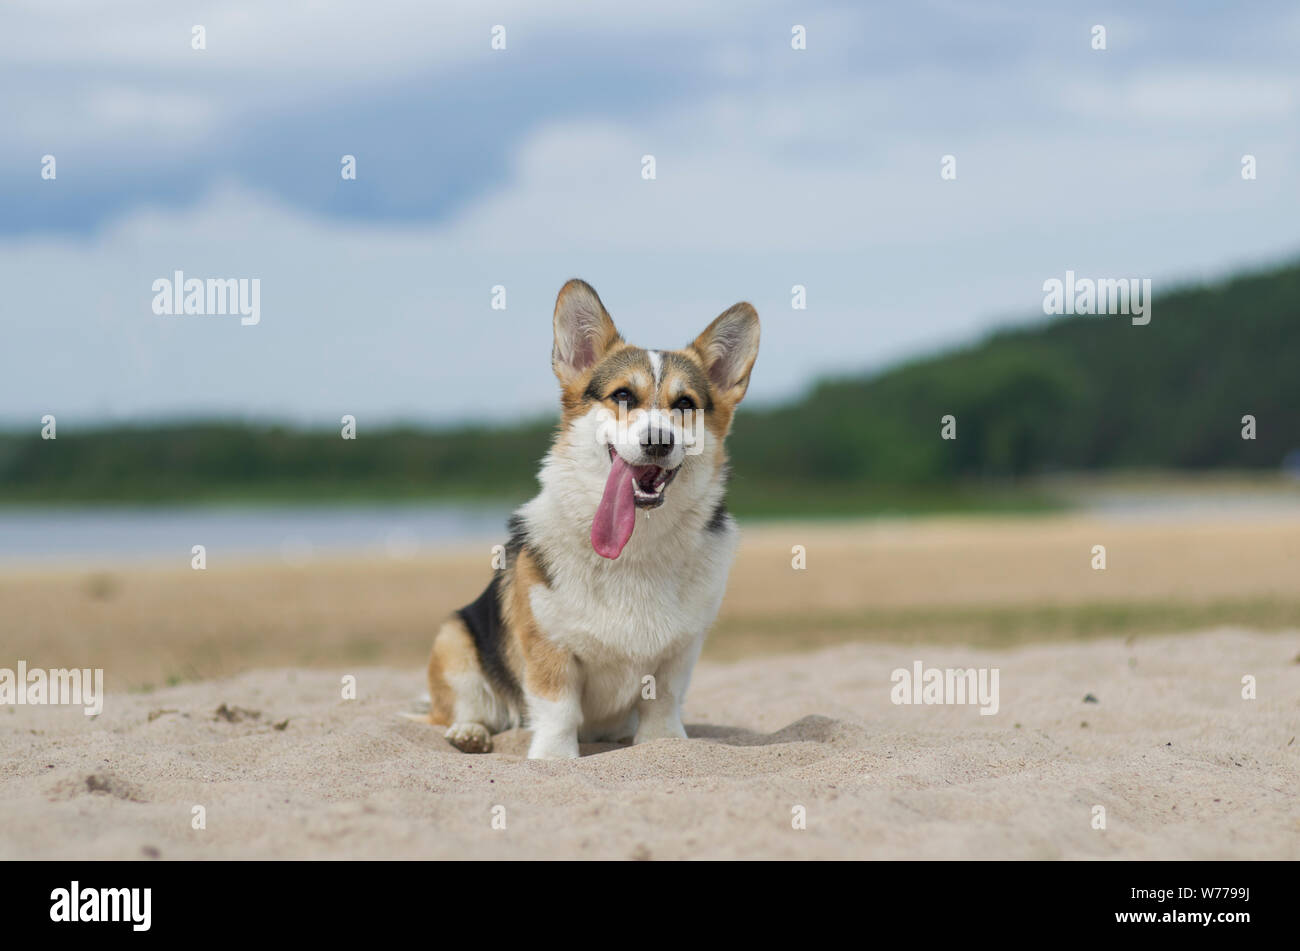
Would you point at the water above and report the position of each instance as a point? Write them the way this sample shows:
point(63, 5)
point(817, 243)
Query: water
point(299, 533)
point(294, 533)
point(1191, 505)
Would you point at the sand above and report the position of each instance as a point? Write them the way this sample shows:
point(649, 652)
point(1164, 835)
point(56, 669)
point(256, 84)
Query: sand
point(993, 582)
point(1182, 765)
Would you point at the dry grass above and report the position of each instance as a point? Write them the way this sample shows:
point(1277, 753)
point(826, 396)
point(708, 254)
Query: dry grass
point(989, 581)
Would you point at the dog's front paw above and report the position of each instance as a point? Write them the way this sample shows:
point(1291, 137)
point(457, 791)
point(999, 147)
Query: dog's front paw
point(553, 746)
point(470, 737)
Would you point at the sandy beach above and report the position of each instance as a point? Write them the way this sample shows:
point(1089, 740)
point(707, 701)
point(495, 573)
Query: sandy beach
point(224, 691)
point(284, 768)
point(989, 582)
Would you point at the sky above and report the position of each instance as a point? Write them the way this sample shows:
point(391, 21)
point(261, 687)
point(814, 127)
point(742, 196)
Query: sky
point(523, 167)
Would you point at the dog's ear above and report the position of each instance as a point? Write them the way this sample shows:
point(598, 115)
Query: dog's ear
point(584, 331)
point(728, 349)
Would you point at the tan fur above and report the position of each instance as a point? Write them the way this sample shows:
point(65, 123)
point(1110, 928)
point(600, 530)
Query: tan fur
point(453, 653)
point(604, 337)
point(676, 383)
point(726, 393)
point(572, 400)
point(546, 668)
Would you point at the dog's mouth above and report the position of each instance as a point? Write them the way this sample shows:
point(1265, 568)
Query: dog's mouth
point(648, 483)
point(627, 489)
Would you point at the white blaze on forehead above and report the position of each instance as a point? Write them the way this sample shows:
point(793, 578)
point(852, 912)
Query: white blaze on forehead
point(656, 365)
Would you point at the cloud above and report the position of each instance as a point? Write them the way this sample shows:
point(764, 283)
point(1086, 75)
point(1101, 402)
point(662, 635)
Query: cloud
point(1187, 97)
point(774, 168)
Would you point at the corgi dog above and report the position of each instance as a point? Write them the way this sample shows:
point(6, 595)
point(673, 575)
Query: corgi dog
point(615, 571)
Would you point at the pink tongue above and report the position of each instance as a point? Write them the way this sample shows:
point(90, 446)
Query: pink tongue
point(616, 513)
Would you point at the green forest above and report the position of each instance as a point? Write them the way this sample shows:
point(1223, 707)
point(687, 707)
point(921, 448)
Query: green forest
point(1073, 394)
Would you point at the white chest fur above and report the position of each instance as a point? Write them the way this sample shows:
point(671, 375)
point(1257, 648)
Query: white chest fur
point(634, 608)
point(624, 618)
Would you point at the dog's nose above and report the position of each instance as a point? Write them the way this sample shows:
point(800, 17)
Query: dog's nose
point(656, 442)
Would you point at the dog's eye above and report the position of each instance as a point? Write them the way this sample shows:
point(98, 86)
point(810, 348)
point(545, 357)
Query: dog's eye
point(684, 404)
point(623, 395)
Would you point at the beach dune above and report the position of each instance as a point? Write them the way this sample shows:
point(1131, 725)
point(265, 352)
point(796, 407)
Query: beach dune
point(789, 756)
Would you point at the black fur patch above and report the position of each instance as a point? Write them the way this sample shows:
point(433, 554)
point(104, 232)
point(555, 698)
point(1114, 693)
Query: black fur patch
point(518, 541)
point(718, 520)
point(483, 618)
point(518, 535)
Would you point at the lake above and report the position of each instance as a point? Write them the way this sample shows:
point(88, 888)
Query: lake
point(94, 533)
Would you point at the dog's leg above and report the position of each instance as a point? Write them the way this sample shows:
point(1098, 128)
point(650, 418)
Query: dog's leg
point(555, 727)
point(553, 690)
point(460, 696)
point(661, 717)
point(627, 729)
